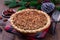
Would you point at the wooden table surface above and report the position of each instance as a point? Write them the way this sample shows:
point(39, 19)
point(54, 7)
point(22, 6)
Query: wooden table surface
point(8, 36)
point(4, 35)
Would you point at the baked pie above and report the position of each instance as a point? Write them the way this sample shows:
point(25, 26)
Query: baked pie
point(30, 20)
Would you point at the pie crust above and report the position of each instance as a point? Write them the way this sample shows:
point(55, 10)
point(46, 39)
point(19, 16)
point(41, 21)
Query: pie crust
point(34, 30)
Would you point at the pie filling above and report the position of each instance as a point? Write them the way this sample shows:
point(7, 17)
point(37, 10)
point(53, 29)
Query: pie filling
point(29, 20)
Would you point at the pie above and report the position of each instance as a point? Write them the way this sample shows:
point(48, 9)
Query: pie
point(30, 20)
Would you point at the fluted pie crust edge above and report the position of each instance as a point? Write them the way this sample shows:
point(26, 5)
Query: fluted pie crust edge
point(31, 31)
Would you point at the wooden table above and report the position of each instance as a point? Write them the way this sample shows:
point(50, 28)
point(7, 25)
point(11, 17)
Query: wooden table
point(8, 36)
point(4, 35)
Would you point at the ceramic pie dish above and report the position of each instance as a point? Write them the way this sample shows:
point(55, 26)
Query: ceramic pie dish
point(30, 21)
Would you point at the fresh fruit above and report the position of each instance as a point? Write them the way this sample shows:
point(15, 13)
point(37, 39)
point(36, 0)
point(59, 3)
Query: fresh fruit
point(5, 20)
point(5, 13)
point(0, 17)
point(8, 12)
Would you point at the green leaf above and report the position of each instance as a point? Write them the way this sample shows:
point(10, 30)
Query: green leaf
point(21, 8)
point(13, 0)
point(39, 7)
point(55, 1)
point(26, 0)
point(33, 3)
point(58, 8)
point(12, 5)
point(34, 0)
point(7, 2)
point(22, 3)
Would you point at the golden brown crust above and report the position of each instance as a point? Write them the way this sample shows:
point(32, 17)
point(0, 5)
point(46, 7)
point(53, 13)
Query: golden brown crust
point(31, 31)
